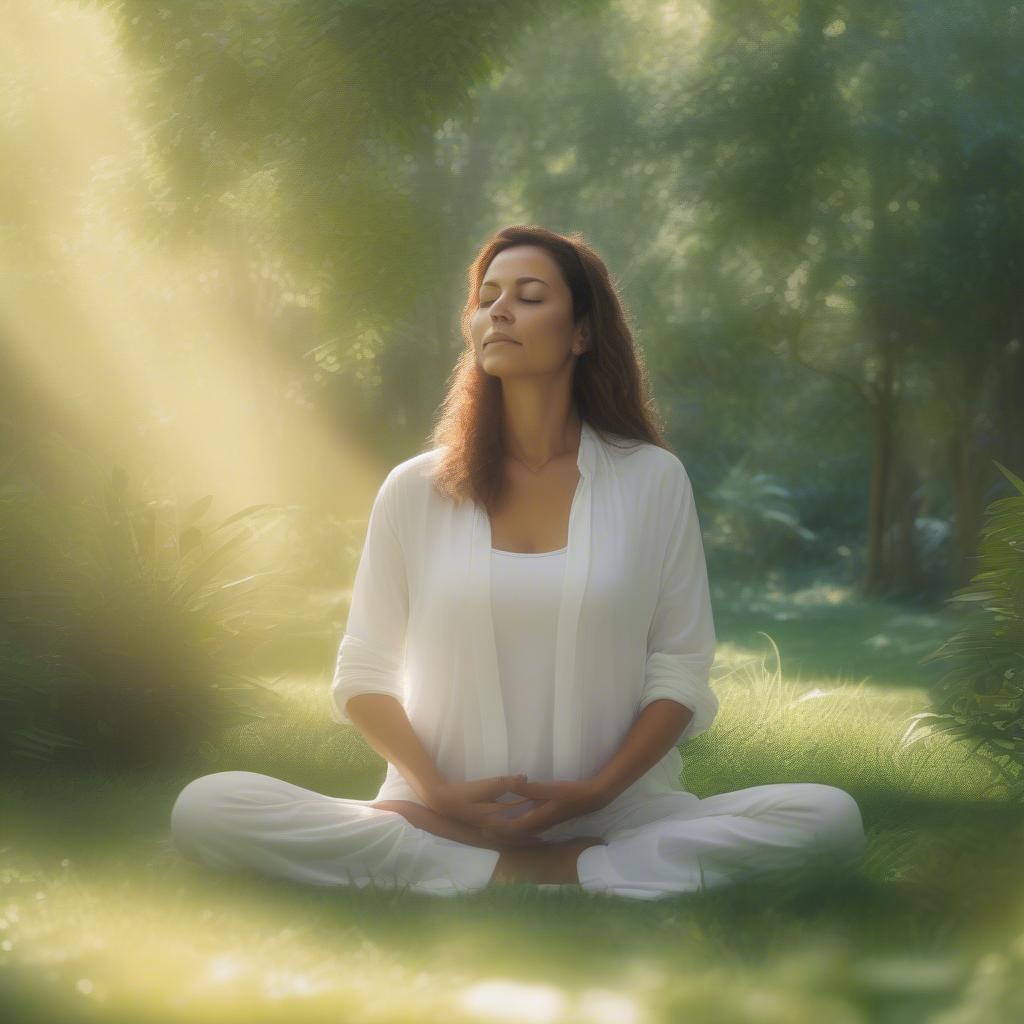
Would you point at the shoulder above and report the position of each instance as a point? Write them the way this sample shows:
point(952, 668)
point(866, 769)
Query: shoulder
point(408, 484)
point(647, 464)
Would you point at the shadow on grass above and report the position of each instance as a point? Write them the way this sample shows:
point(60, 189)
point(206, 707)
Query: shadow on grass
point(829, 633)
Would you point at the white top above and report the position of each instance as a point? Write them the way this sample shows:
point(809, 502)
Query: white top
point(634, 620)
point(526, 591)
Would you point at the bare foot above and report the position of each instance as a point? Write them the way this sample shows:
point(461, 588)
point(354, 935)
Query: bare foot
point(552, 864)
point(572, 848)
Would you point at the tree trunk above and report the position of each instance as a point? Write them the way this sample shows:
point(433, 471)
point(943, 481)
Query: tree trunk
point(901, 556)
point(875, 577)
point(966, 470)
point(1009, 403)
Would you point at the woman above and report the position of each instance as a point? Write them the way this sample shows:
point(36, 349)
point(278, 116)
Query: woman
point(530, 636)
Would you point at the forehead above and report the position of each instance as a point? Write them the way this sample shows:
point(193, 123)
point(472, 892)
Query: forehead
point(522, 262)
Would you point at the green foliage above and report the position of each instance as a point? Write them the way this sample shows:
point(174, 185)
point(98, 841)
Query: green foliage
point(128, 638)
point(341, 100)
point(754, 516)
point(982, 695)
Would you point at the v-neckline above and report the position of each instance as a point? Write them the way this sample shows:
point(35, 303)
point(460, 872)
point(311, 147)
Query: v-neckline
point(492, 733)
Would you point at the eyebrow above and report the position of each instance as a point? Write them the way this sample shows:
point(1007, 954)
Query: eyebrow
point(519, 280)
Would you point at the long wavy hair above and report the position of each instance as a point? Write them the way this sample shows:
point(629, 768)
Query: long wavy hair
point(609, 388)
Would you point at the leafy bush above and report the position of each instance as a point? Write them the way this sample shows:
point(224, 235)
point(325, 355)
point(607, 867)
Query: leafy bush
point(754, 523)
point(127, 637)
point(981, 696)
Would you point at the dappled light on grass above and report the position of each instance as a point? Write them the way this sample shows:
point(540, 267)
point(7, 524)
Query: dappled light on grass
point(149, 949)
point(825, 631)
point(187, 945)
point(109, 928)
point(500, 1000)
point(773, 729)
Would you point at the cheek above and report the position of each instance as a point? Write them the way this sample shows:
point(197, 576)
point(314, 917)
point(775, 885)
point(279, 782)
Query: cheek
point(547, 317)
point(478, 328)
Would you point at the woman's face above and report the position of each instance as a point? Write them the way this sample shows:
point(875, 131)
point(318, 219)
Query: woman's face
point(535, 313)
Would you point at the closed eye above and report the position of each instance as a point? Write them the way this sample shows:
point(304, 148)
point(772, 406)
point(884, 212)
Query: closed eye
point(532, 302)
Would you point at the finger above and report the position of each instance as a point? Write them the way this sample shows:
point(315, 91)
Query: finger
point(480, 788)
point(495, 807)
point(531, 821)
point(535, 789)
point(542, 817)
point(502, 784)
point(483, 818)
point(506, 780)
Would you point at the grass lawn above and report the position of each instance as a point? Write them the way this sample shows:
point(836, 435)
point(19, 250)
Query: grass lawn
point(101, 919)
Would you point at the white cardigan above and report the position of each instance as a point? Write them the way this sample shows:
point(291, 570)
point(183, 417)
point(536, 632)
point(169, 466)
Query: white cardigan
point(635, 623)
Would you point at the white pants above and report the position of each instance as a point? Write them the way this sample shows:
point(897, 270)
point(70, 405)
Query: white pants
point(675, 843)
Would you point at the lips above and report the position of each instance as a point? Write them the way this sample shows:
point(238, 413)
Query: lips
point(500, 337)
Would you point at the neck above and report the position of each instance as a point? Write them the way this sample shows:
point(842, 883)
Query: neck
point(544, 439)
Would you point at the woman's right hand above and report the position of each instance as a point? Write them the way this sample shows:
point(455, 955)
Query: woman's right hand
point(475, 802)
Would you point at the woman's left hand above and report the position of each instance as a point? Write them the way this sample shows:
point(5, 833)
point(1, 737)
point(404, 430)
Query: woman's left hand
point(556, 802)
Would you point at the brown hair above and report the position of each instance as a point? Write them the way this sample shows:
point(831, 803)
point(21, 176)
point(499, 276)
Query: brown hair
point(609, 387)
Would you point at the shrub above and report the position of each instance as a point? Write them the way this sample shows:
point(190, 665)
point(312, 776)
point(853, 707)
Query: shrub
point(981, 696)
point(754, 523)
point(128, 637)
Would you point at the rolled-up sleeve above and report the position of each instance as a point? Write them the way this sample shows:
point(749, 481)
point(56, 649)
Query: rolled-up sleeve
point(681, 640)
point(371, 655)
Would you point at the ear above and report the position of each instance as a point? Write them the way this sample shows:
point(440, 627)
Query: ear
point(583, 344)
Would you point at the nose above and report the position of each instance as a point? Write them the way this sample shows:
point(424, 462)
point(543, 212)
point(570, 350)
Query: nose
point(497, 309)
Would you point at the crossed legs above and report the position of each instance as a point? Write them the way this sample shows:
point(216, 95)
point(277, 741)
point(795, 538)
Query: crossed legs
point(692, 844)
point(672, 844)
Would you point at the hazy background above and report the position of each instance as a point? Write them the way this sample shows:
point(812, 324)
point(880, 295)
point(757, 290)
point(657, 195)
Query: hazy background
point(233, 249)
point(236, 236)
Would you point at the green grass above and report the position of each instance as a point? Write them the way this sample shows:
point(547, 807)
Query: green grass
point(102, 920)
point(824, 630)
